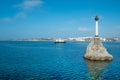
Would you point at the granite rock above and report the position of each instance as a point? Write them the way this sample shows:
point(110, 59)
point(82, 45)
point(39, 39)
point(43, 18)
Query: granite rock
point(96, 51)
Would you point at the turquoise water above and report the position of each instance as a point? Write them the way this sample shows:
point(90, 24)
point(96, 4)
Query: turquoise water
point(45, 60)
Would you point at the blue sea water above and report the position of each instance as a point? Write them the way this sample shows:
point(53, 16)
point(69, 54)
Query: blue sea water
point(45, 60)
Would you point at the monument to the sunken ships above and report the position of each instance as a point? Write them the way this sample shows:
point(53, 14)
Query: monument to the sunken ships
point(95, 50)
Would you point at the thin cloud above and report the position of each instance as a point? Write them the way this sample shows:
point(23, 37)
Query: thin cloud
point(20, 15)
point(26, 4)
point(117, 27)
point(29, 4)
point(6, 19)
point(84, 29)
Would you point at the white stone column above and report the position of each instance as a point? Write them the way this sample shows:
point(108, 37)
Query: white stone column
point(96, 29)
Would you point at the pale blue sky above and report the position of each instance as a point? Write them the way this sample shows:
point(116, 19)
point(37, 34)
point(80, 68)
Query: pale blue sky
point(58, 18)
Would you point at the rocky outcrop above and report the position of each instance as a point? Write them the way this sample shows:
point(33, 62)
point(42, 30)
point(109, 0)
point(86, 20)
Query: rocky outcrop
point(96, 51)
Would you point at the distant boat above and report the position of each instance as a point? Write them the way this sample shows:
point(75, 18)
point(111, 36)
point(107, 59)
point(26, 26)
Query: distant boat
point(59, 41)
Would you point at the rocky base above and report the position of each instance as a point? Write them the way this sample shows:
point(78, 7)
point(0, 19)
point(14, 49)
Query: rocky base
point(96, 51)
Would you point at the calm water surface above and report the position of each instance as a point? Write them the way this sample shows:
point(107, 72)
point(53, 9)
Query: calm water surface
point(48, 61)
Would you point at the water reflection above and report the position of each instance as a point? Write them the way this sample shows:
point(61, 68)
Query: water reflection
point(97, 69)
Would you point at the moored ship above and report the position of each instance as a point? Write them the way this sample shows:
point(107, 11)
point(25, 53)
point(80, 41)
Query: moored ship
point(59, 41)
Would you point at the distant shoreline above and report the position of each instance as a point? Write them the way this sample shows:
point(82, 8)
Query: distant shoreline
point(77, 39)
point(47, 41)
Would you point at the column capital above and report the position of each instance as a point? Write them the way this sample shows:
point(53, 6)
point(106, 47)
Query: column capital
point(96, 18)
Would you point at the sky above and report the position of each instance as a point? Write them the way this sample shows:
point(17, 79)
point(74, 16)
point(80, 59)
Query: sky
point(58, 18)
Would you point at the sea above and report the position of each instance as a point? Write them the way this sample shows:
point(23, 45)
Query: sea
point(45, 60)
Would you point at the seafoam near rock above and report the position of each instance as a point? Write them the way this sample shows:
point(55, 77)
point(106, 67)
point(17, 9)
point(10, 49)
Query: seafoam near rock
point(96, 51)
